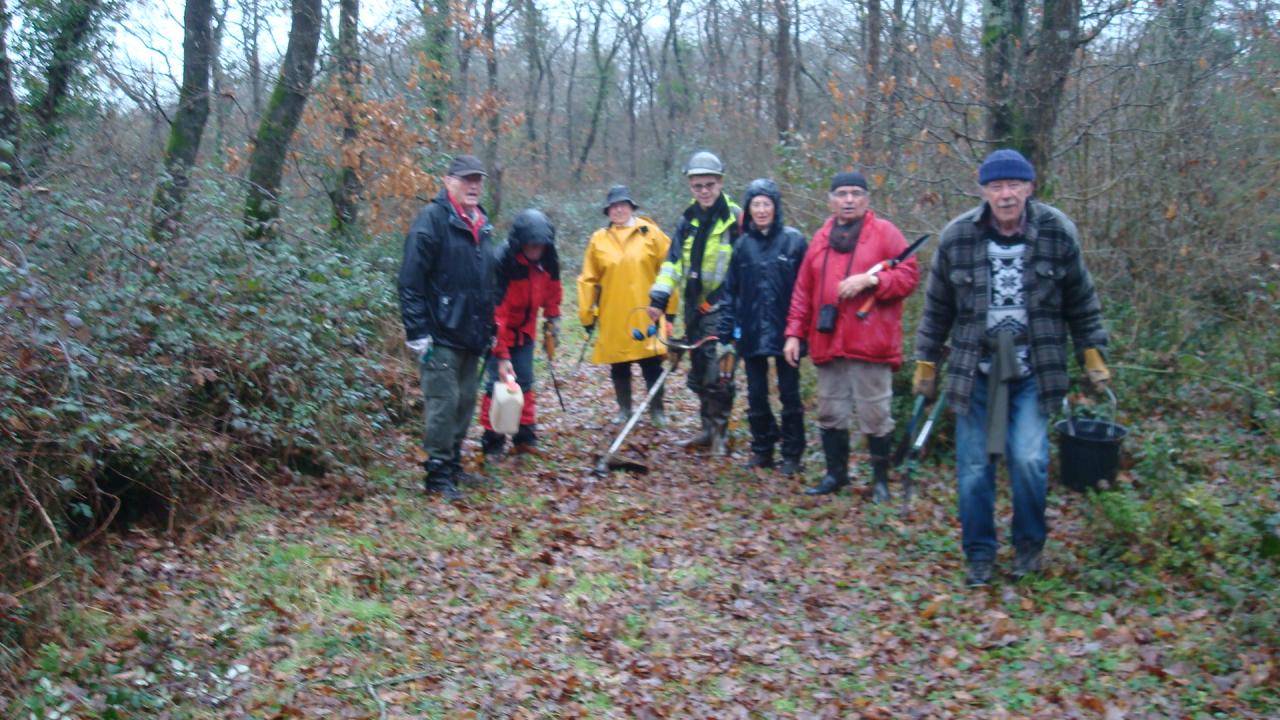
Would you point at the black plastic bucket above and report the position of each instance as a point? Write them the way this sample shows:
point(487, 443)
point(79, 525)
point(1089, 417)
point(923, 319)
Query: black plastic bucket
point(1088, 450)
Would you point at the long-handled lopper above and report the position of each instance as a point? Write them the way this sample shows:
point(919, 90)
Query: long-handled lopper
point(549, 341)
point(916, 449)
point(889, 265)
point(607, 461)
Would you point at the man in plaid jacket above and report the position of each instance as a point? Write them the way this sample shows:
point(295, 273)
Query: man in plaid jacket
point(1007, 284)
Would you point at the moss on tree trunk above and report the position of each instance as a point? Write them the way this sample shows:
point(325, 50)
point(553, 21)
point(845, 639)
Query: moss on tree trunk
point(283, 112)
point(188, 123)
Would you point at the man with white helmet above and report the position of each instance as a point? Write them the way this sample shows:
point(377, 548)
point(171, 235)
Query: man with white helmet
point(697, 264)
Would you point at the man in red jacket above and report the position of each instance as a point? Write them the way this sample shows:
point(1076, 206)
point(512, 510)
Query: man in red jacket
point(529, 275)
point(855, 357)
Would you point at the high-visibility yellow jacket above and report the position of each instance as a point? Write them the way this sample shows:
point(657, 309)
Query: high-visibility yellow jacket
point(715, 257)
point(618, 268)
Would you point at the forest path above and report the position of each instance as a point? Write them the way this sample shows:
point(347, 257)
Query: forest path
point(696, 590)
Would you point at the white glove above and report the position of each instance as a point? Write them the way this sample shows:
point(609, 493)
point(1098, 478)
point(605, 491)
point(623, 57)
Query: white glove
point(420, 347)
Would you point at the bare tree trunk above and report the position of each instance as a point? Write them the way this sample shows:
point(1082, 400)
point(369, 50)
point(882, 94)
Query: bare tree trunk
point(251, 28)
point(677, 88)
point(489, 31)
point(895, 99)
point(872, 63)
point(221, 99)
point(275, 132)
point(346, 193)
point(798, 64)
point(533, 46)
point(551, 108)
point(463, 81)
point(604, 68)
point(76, 24)
point(1047, 77)
point(439, 31)
point(1002, 36)
point(782, 73)
point(569, 111)
point(1025, 94)
point(631, 101)
point(10, 121)
point(188, 122)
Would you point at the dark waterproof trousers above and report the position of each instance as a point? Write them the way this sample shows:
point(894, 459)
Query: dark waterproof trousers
point(764, 427)
point(716, 397)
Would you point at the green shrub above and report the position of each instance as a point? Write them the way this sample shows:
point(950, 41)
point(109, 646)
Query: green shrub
point(136, 376)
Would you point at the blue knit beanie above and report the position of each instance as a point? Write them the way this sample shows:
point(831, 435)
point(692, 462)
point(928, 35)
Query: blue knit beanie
point(1005, 165)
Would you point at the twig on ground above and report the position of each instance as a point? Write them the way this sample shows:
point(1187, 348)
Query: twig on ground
point(38, 585)
point(1200, 376)
point(105, 524)
point(382, 705)
point(44, 516)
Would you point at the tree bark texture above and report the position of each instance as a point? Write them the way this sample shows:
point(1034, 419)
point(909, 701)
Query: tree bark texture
point(280, 119)
point(76, 23)
point(189, 120)
point(872, 98)
point(10, 121)
point(782, 73)
point(346, 192)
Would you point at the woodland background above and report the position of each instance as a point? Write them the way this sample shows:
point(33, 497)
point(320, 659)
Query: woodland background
point(197, 263)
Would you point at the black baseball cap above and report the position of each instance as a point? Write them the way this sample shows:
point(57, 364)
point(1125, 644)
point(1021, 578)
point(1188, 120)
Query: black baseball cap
point(466, 165)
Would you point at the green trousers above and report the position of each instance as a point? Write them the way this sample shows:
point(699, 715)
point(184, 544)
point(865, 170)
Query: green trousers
point(450, 380)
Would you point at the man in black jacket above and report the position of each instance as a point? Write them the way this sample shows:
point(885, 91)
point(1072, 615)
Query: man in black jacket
point(448, 290)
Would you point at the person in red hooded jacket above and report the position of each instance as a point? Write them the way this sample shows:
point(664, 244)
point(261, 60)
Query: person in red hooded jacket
point(529, 275)
point(855, 357)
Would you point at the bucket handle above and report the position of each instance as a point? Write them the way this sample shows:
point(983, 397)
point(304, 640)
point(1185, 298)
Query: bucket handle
point(1070, 415)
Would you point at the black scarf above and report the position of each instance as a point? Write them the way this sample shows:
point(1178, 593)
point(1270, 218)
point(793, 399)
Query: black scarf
point(844, 237)
point(707, 219)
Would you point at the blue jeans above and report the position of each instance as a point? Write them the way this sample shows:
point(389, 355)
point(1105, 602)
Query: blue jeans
point(1027, 457)
point(521, 363)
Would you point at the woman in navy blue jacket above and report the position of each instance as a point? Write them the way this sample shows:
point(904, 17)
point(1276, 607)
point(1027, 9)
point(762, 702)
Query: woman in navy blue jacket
point(757, 295)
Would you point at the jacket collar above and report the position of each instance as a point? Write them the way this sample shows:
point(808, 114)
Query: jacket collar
point(457, 218)
point(719, 212)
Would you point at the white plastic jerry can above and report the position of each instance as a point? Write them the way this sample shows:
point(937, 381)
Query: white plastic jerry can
point(508, 403)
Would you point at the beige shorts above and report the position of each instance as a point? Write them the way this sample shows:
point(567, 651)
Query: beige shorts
point(845, 385)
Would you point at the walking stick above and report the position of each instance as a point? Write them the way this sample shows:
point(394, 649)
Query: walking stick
point(549, 344)
point(595, 318)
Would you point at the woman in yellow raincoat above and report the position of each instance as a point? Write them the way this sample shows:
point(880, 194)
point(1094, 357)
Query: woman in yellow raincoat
point(621, 262)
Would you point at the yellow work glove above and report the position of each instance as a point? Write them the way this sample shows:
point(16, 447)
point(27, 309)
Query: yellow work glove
point(925, 380)
point(1095, 369)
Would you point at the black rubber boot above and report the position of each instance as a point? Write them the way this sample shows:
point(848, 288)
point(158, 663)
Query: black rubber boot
point(880, 446)
point(764, 433)
point(525, 440)
point(492, 444)
point(792, 442)
point(703, 436)
point(718, 417)
point(460, 476)
point(622, 391)
point(440, 480)
point(657, 409)
point(835, 448)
